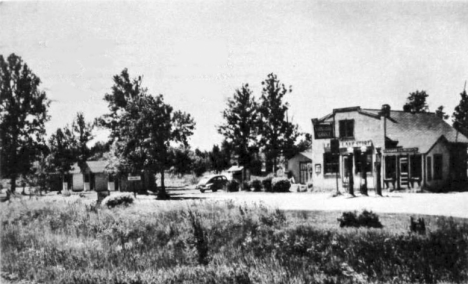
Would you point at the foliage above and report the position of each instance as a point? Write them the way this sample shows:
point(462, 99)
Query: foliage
point(441, 113)
point(460, 114)
point(181, 161)
point(246, 185)
point(235, 244)
point(366, 219)
point(200, 164)
point(143, 127)
point(277, 134)
point(233, 185)
point(239, 127)
point(23, 114)
point(280, 184)
point(219, 160)
point(62, 145)
point(99, 150)
point(416, 102)
point(82, 133)
point(267, 184)
point(256, 185)
point(114, 200)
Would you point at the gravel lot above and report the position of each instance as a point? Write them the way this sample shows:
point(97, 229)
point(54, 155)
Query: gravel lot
point(448, 204)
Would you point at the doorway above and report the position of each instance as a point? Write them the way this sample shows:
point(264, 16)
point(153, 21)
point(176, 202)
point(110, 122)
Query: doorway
point(404, 172)
point(347, 170)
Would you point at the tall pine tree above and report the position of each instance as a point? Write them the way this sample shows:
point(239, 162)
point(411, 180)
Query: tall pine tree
point(460, 114)
point(23, 113)
point(276, 133)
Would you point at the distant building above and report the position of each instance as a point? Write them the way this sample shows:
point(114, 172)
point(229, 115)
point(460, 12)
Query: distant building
point(416, 149)
point(301, 167)
point(93, 177)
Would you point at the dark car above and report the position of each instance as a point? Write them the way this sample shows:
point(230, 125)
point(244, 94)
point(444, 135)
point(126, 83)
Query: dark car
point(212, 183)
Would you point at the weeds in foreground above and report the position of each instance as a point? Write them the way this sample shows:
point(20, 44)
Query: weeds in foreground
point(218, 242)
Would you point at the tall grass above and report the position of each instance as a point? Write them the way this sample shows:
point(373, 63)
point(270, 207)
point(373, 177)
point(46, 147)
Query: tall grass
point(218, 242)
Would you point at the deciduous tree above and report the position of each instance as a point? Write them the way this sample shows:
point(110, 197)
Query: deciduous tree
point(62, 145)
point(23, 113)
point(416, 102)
point(277, 134)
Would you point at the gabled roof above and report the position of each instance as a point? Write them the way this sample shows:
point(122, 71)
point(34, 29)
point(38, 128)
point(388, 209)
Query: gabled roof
point(420, 130)
point(94, 167)
point(307, 154)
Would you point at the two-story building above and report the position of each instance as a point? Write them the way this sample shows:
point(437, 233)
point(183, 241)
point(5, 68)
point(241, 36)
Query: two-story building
point(415, 150)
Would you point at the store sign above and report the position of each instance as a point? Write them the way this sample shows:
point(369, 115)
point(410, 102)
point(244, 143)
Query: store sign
point(134, 177)
point(323, 130)
point(401, 150)
point(346, 144)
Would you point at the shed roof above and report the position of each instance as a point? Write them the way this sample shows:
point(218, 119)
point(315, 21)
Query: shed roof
point(419, 130)
point(235, 169)
point(93, 166)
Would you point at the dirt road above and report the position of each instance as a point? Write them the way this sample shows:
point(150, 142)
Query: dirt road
point(450, 204)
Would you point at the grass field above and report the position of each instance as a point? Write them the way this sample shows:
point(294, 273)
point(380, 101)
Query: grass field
point(221, 242)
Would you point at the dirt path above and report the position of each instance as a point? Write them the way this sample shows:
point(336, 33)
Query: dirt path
point(451, 204)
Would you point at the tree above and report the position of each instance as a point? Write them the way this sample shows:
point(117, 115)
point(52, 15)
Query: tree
point(217, 159)
point(460, 114)
point(144, 127)
point(277, 134)
point(62, 145)
point(181, 161)
point(304, 144)
point(82, 132)
point(416, 102)
point(441, 113)
point(23, 113)
point(239, 128)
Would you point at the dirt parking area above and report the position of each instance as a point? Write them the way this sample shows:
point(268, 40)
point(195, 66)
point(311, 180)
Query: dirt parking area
point(448, 204)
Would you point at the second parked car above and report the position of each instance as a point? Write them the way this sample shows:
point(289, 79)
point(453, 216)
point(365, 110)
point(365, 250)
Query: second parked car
point(213, 183)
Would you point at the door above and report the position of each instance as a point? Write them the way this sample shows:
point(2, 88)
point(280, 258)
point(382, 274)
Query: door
point(404, 171)
point(347, 170)
point(304, 168)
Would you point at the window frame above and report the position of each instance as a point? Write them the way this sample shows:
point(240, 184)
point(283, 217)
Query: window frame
point(344, 130)
point(333, 167)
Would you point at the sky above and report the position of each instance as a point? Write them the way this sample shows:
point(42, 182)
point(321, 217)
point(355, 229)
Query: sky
point(197, 53)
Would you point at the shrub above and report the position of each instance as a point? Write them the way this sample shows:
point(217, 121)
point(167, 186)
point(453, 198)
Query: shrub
point(256, 184)
point(115, 200)
point(366, 219)
point(281, 184)
point(418, 226)
point(233, 185)
point(267, 184)
point(246, 185)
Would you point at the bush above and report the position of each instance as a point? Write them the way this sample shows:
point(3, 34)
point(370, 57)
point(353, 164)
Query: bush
point(257, 185)
point(267, 184)
point(281, 184)
point(246, 185)
point(366, 219)
point(115, 200)
point(233, 185)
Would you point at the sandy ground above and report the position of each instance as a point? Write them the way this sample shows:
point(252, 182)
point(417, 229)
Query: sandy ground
point(449, 204)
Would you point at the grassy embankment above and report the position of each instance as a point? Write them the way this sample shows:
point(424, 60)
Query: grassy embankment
point(221, 242)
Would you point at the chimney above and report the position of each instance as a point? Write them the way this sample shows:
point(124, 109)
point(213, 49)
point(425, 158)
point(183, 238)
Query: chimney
point(385, 112)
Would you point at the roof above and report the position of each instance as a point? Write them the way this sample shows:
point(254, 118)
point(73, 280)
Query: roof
point(307, 154)
point(235, 169)
point(419, 130)
point(94, 167)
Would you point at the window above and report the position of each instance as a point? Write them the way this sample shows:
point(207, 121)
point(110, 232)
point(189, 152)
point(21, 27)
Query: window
point(415, 166)
point(429, 168)
point(438, 163)
point(346, 128)
point(390, 167)
point(368, 162)
point(330, 163)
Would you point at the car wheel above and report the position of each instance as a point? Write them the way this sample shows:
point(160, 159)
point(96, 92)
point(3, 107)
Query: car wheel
point(202, 190)
point(215, 189)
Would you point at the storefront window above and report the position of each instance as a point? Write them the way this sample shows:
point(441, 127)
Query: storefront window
point(346, 128)
point(438, 166)
point(358, 161)
point(330, 163)
point(390, 167)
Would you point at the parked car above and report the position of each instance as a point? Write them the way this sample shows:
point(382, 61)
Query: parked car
point(213, 183)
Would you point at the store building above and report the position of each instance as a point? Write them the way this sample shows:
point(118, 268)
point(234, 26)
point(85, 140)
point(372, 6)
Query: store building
point(412, 150)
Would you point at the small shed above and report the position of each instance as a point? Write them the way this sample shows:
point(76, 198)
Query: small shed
point(301, 167)
point(93, 177)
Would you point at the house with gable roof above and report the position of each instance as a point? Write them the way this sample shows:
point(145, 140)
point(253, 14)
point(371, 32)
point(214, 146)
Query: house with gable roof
point(415, 150)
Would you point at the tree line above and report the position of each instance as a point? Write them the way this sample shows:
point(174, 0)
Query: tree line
point(147, 135)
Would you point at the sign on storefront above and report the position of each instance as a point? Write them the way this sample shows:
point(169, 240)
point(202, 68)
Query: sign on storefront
point(401, 150)
point(323, 130)
point(347, 144)
point(134, 177)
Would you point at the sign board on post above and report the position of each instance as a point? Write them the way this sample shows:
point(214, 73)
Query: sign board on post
point(323, 130)
point(134, 177)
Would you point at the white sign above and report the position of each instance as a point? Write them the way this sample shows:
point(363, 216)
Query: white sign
point(354, 143)
point(134, 177)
